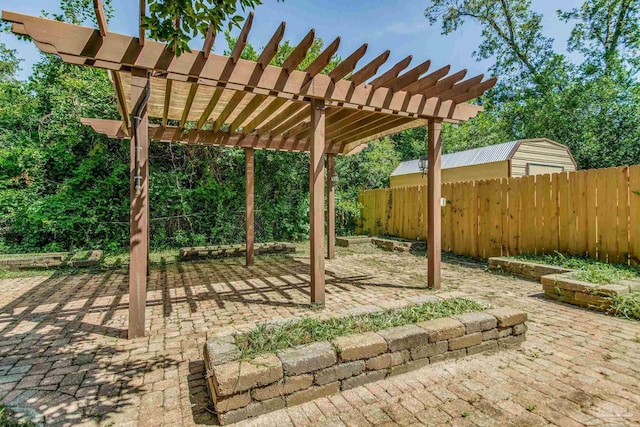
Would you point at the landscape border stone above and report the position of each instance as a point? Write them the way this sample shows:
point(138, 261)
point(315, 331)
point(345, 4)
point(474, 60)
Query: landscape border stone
point(242, 389)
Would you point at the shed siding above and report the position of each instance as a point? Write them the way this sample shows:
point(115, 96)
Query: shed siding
point(540, 152)
point(464, 173)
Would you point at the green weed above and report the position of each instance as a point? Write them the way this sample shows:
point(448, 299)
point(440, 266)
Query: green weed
point(267, 338)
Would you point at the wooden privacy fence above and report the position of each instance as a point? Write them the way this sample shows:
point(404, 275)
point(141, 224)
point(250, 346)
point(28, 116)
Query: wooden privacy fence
point(588, 212)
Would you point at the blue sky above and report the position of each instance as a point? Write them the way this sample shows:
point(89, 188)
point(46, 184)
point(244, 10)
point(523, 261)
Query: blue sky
point(398, 25)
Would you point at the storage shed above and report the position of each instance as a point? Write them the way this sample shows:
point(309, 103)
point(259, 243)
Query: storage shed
point(510, 159)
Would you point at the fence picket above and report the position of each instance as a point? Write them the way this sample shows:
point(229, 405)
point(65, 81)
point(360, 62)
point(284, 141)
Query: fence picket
point(591, 212)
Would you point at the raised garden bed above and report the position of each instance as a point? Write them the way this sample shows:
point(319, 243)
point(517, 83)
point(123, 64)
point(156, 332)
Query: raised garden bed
point(80, 259)
point(399, 245)
point(242, 387)
point(347, 241)
point(228, 251)
point(567, 288)
point(525, 269)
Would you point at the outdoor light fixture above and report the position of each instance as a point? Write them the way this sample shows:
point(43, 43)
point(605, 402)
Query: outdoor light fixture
point(423, 164)
point(334, 179)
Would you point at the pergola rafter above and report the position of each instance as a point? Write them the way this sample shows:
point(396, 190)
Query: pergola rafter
point(228, 101)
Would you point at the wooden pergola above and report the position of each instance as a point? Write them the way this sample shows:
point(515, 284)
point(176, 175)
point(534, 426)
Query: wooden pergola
point(207, 99)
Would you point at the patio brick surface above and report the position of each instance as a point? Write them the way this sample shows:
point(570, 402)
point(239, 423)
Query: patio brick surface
point(64, 352)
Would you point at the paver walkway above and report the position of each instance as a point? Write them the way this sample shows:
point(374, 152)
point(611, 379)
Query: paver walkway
point(63, 353)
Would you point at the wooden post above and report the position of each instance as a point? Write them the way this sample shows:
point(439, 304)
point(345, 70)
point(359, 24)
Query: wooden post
point(139, 212)
point(331, 207)
point(434, 177)
point(316, 189)
point(249, 168)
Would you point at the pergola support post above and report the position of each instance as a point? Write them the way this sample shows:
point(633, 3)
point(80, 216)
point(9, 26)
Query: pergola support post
point(249, 157)
point(139, 209)
point(331, 207)
point(316, 189)
point(434, 243)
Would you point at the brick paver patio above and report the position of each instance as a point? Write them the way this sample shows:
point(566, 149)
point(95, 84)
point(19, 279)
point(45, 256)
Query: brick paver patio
point(63, 353)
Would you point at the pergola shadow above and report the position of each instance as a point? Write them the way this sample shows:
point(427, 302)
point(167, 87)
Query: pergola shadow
point(96, 303)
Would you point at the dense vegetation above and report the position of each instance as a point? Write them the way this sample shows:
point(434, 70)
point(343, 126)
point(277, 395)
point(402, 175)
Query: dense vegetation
point(64, 187)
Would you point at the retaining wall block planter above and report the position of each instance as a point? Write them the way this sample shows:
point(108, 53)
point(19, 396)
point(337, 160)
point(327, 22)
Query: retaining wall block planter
point(399, 245)
point(565, 288)
point(242, 389)
point(81, 259)
point(347, 241)
point(230, 251)
point(524, 269)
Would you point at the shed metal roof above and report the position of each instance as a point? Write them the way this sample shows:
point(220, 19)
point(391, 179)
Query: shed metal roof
point(476, 156)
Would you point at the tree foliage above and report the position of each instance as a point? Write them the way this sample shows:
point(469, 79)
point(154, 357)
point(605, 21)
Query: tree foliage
point(176, 22)
point(62, 186)
point(592, 106)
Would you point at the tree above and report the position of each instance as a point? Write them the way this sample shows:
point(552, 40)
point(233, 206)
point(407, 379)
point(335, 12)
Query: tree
point(178, 21)
point(607, 32)
point(512, 33)
point(9, 63)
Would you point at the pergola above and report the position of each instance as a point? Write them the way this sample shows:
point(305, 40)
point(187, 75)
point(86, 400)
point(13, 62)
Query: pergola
point(207, 99)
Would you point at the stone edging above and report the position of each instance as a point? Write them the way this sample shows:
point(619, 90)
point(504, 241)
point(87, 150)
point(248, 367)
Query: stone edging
point(52, 260)
point(242, 389)
point(346, 241)
point(525, 269)
point(230, 251)
point(564, 288)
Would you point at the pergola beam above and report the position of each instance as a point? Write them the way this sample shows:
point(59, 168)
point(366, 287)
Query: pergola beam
point(111, 128)
point(428, 81)
point(409, 77)
point(252, 106)
point(392, 73)
point(209, 39)
point(167, 102)
point(271, 48)
point(143, 13)
point(243, 39)
point(369, 70)
point(101, 17)
point(298, 54)
point(84, 46)
point(349, 64)
point(217, 93)
point(444, 84)
point(321, 62)
point(476, 91)
point(188, 104)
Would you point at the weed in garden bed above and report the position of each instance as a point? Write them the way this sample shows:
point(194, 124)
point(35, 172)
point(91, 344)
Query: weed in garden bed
point(588, 270)
point(627, 306)
point(266, 339)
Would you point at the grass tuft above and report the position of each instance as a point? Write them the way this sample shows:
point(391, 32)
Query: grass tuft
point(7, 419)
point(588, 270)
point(627, 306)
point(267, 338)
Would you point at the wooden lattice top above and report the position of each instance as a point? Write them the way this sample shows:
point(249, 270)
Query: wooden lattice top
point(202, 97)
